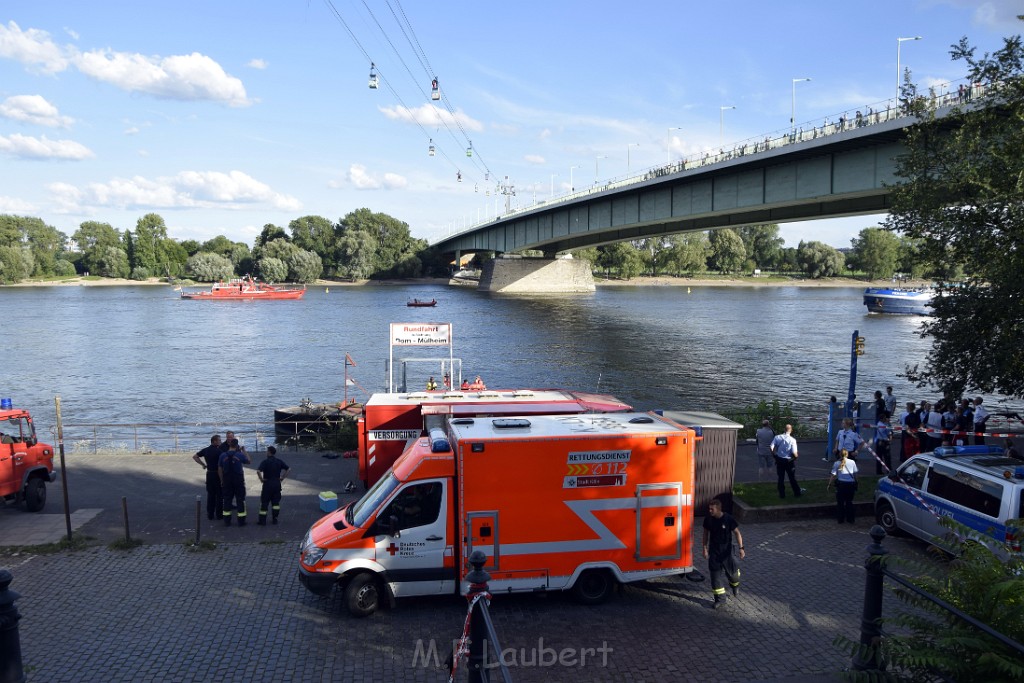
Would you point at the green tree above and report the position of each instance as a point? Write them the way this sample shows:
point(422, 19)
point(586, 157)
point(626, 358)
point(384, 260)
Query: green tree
point(875, 251)
point(818, 260)
point(305, 266)
point(687, 253)
point(652, 250)
point(354, 255)
point(962, 198)
point(113, 262)
point(209, 267)
point(218, 245)
point(150, 231)
point(10, 231)
point(727, 250)
point(763, 244)
point(623, 258)
point(392, 237)
point(93, 240)
point(13, 267)
point(270, 233)
point(272, 269)
point(318, 235)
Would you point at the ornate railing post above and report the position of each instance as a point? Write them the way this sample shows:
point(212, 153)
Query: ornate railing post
point(11, 670)
point(869, 655)
point(477, 579)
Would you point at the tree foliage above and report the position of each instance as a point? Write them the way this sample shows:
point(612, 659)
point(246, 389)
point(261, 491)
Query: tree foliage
point(762, 243)
point(209, 267)
point(13, 267)
point(727, 250)
point(818, 260)
point(875, 251)
point(272, 269)
point(687, 253)
point(962, 199)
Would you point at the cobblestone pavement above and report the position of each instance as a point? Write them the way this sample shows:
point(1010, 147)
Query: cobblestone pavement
point(161, 612)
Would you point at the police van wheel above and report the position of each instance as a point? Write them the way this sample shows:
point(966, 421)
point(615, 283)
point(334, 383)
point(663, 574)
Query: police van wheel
point(886, 517)
point(35, 495)
point(593, 587)
point(362, 595)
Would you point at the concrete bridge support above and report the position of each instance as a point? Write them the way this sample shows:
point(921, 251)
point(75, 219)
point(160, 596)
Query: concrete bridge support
point(516, 275)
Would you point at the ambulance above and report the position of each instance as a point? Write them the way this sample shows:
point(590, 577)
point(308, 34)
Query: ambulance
point(390, 420)
point(576, 503)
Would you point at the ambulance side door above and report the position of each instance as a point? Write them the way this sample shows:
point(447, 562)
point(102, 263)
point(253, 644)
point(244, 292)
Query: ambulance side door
point(411, 539)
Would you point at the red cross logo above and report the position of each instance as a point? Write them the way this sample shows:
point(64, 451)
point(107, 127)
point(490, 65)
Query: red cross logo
point(392, 549)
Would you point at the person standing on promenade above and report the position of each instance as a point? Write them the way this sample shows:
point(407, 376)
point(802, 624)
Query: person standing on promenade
point(980, 418)
point(890, 401)
point(271, 472)
point(232, 481)
point(883, 441)
point(209, 459)
point(764, 437)
point(719, 529)
point(848, 439)
point(844, 474)
point(785, 451)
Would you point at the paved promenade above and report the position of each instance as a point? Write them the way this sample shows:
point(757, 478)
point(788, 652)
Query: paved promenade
point(161, 612)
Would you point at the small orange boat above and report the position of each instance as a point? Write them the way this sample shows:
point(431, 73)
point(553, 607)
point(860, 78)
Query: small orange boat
point(247, 289)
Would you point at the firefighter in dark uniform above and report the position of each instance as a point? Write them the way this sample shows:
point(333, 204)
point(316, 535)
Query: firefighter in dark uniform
point(209, 458)
point(271, 472)
point(719, 529)
point(232, 481)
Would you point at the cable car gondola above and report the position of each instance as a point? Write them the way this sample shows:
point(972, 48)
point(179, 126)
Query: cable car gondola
point(430, 150)
point(435, 92)
point(458, 176)
point(469, 150)
point(373, 76)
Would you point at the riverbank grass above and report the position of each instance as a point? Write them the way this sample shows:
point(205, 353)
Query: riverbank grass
point(766, 493)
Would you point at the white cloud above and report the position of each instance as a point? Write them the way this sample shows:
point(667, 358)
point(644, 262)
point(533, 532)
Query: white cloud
point(234, 190)
point(134, 130)
point(178, 77)
point(257, 64)
point(362, 179)
point(27, 147)
point(15, 205)
point(534, 159)
point(32, 48)
point(428, 115)
point(33, 109)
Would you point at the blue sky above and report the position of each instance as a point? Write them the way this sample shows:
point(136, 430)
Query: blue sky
point(225, 116)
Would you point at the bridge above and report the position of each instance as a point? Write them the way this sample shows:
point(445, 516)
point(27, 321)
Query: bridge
point(840, 168)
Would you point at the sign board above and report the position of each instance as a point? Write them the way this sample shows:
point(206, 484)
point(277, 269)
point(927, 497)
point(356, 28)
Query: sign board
point(421, 334)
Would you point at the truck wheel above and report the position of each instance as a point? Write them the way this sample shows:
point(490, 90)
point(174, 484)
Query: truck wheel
point(886, 517)
point(593, 587)
point(35, 494)
point(362, 595)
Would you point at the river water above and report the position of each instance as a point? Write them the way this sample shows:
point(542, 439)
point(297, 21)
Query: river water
point(140, 354)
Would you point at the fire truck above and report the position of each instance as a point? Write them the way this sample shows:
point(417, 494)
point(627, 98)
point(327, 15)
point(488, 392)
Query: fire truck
point(578, 503)
point(26, 465)
point(390, 420)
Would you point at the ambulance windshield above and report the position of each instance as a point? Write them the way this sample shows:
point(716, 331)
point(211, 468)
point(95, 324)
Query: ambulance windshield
point(368, 504)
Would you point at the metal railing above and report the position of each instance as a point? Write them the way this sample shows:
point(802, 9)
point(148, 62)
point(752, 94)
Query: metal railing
point(151, 437)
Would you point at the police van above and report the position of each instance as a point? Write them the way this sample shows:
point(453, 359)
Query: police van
point(977, 486)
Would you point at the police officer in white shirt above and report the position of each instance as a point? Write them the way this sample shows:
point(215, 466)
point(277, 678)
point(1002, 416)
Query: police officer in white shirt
point(848, 439)
point(980, 418)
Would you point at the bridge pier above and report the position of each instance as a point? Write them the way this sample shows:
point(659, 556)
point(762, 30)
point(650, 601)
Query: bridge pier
point(519, 275)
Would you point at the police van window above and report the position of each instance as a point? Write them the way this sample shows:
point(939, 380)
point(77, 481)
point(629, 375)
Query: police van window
point(913, 474)
point(966, 490)
point(416, 505)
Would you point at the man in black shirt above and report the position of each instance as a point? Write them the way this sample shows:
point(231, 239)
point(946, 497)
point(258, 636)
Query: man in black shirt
point(271, 473)
point(719, 529)
point(209, 458)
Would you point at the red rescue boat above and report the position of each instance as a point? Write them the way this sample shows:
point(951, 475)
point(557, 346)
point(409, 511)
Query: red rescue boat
point(246, 289)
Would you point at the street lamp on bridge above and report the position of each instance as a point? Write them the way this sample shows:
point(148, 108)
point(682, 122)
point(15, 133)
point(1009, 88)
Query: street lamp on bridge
point(552, 193)
point(899, 77)
point(597, 159)
point(792, 115)
point(668, 143)
point(572, 188)
point(631, 144)
point(721, 122)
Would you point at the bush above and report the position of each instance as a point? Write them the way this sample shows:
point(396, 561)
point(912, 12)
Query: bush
point(779, 414)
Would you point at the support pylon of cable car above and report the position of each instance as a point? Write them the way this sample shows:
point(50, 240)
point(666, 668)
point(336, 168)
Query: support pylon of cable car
point(435, 91)
point(430, 150)
point(373, 76)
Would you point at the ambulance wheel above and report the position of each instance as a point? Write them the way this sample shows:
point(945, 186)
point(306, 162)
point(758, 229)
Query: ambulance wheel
point(35, 495)
point(593, 587)
point(886, 518)
point(362, 595)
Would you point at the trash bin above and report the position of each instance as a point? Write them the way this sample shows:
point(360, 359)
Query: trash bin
point(714, 457)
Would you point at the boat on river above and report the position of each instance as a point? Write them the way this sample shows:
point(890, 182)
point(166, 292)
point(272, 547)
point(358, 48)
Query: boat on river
point(419, 303)
point(247, 289)
point(899, 300)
